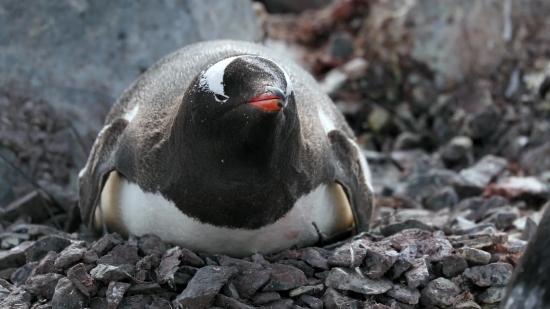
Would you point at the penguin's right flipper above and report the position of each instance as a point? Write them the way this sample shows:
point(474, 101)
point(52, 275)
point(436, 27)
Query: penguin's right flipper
point(353, 174)
point(100, 163)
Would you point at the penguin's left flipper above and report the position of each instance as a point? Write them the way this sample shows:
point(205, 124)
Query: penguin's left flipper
point(100, 164)
point(353, 175)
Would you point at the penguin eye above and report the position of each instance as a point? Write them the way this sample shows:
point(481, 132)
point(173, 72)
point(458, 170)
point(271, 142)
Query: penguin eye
point(220, 97)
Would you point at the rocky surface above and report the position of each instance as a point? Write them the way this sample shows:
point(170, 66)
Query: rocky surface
point(457, 139)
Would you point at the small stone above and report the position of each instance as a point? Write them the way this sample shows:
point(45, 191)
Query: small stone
point(407, 140)
point(349, 255)
point(404, 294)
point(90, 257)
point(475, 257)
point(145, 267)
point(301, 265)
point(204, 286)
point(152, 244)
point(492, 295)
point(472, 180)
point(308, 289)
point(259, 259)
point(168, 266)
point(66, 295)
point(333, 299)
point(395, 228)
point(145, 288)
point(10, 240)
point(43, 284)
point(468, 304)
point(227, 302)
point(250, 281)
point(230, 290)
point(46, 265)
point(69, 256)
point(14, 257)
point(446, 197)
point(314, 258)
point(7, 273)
point(439, 292)
point(23, 273)
point(352, 280)
point(378, 260)
point(311, 302)
point(284, 278)
point(108, 273)
point(78, 275)
point(115, 293)
point(241, 265)
point(189, 258)
point(496, 274)
point(265, 297)
point(41, 247)
point(18, 298)
point(98, 303)
point(453, 265)
point(121, 254)
point(280, 304)
point(106, 243)
point(4, 293)
point(418, 274)
point(133, 302)
point(457, 149)
point(403, 263)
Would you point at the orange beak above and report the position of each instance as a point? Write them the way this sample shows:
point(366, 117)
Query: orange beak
point(268, 102)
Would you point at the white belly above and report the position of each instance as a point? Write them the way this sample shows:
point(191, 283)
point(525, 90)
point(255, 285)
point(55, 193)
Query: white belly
point(127, 209)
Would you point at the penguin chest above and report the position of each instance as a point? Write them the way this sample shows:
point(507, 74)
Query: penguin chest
point(127, 209)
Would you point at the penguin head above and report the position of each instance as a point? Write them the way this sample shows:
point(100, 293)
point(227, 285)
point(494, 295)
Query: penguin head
point(244, 97)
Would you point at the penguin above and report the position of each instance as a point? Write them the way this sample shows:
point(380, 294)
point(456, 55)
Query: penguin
point(226, 147)
point(530, 284)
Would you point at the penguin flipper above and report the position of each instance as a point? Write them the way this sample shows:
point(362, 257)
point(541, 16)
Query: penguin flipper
point(100, 163)
point(353, 175)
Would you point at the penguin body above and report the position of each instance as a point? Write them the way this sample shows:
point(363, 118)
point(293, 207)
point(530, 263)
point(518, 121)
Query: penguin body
point(226, 147)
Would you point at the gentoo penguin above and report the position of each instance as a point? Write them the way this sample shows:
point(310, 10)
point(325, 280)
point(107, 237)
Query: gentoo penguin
point(226, 147)
point(530, 284)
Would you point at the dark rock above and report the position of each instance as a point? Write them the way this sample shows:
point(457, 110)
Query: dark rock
point(477, 241)
point(98, 303)
point(446, 197)
point(133, 302)
point(79, 276)
point(152, 244)
point(417, 275)
point(502, 217)
point(14, 257)
point(159, 303)
point(18, 298)
point(189, 258)
point(496, 274)
point(403, 263)
point(46, 265)
point(69, 256)
point(43, 284)
point(349, 255)
point(439, 292)
point(41, 247)
point(311, 302)
point(115, 293)
point(7, 273)
point(31, 204)
point(404, 294)
point(378, 260)
point(121, 254)
point(475, 208)
point(453, 265)
point(250, 281)
point(301, 265)
point(90, 257)
point(23, 273)
point(66, 295)
point(407, 140)
point(241, 265)
point(335, 300)
point(280, 304)
point(458, 149)
point(146, 266)
point(204, 286)
point(350, 280)
point(265, 297)
point(145, 288)
point(471, 181)
point(168, 266)
point(314, 258)
point(230, 290)
point(108, 273)
point(226, 302)
point(106, 243)
point(395, 228)
point(284, 278)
